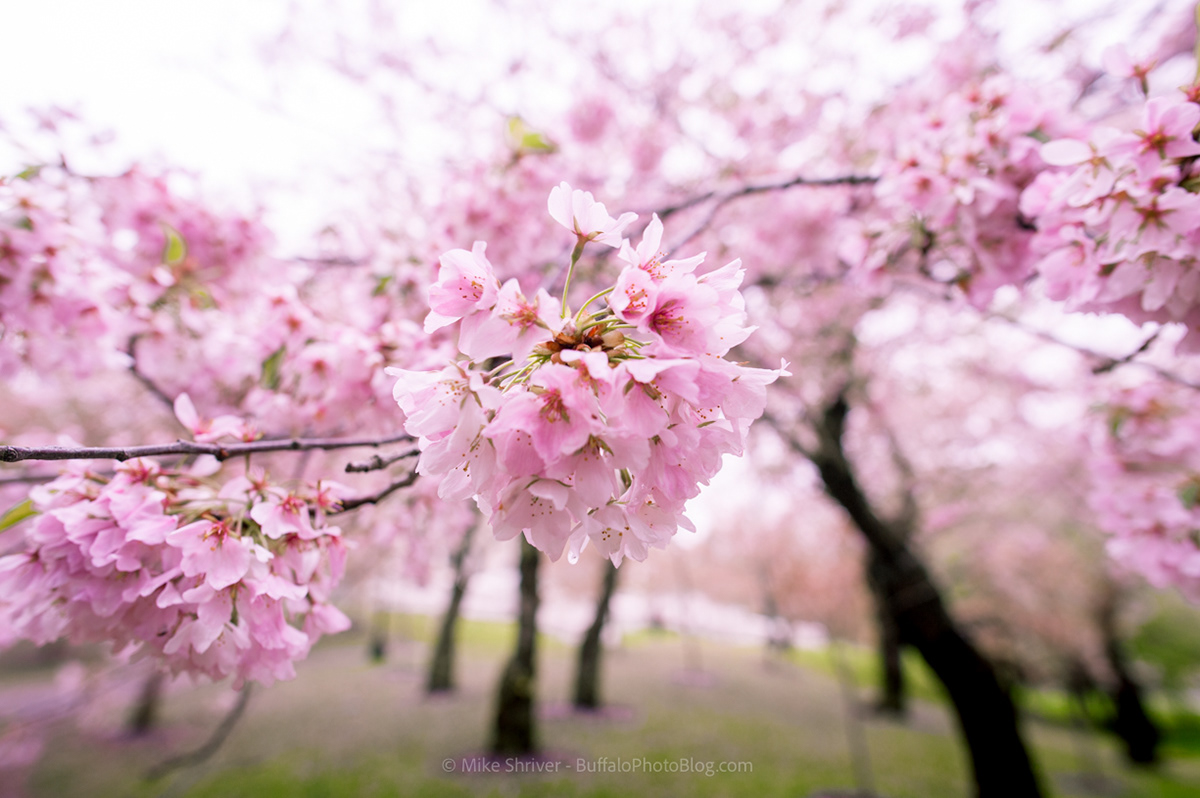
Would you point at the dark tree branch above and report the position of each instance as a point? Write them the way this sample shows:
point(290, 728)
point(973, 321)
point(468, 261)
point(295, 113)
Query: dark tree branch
point(333, 260)
point(720, 199)
point(788, 437)
point(1104, 363)
point(906, 519)
point(221, 451)
point(378, 462)
point(354, 504)
point(28, 479)
point(204, 752)
point(151, 386)
point(723, 197)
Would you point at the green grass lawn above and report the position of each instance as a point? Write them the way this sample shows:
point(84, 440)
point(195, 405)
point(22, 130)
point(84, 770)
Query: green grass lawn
point(347, 727)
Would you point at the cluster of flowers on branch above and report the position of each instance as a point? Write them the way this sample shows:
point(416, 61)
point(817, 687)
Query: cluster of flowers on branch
point(593, 426)
point(219, 580)
point(1146, 484)
point(1119, 226)
point(954, 171)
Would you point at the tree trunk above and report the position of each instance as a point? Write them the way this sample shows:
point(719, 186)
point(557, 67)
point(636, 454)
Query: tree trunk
point(377, 640)
point(893, 697)
point(1132, 723)
point(144, 716)
point(513, 734)
point(441, 667)
point(986, 716)
point(587, 677)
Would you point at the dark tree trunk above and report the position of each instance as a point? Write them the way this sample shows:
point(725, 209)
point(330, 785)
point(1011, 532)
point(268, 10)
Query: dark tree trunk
point(893, 697)
point(144, 716)
point(986, 716)
point(514, 734)
point(587, 677)
point(1132, 723)
point(441, 667)
point(377, 641)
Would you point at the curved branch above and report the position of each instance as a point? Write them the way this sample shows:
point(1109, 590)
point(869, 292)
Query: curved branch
point(378, 462)
point(221, 451)
point(140, 376)
point(354, 504)
point(1104, 363)
point(759, 188)
point(201, 754)
point(720, 199)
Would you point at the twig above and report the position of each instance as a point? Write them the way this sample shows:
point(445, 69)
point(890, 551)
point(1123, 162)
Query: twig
point(721, 199)
point(333, 260)
point(159, 393)
point(1114, 362)
point(28, 479)
point(1106, 362)
point(202, 754)
point(759, 188)
point(221, 451)
point(354, 504)
point(378, 462)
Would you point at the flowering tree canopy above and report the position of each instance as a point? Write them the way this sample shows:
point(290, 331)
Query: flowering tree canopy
point(579, 376)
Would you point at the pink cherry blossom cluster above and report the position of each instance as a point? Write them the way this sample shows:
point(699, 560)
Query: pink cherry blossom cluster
point(1119, 224)
point(1146, 484)
point(954, 171)
point(587, 427)
point(103, 273)
point(55, 286)
point(87, 262)
point(213, 581)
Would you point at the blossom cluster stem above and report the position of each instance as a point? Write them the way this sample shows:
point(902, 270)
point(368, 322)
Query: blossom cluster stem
point(221, 451)
point(575, 253)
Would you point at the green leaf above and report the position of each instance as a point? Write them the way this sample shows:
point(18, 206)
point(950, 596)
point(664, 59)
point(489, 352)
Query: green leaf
point(1038, 134)
point(382, 285)
point(202, 298)
point(1189, 493)
point(525, 140)
point(175, 249)
point(270, 369)
point(1116, 419)
point(16, 514)
point(29, 173)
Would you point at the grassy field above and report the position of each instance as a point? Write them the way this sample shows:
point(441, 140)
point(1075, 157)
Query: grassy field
point(347, 727)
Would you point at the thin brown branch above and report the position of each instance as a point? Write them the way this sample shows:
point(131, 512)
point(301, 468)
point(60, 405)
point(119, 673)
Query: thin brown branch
point(28, 479)
point(159, 393)
point(760, 188)
point(1114, 362)
point(378, 462)
point(788, 436)
point(1104, 363)
point(204, 752)
point(906, 520)
point(333, 260)
point(354, 504)
point(720, 199)
point(221, 451)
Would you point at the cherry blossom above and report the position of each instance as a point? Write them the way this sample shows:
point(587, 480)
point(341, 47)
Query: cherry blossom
point(597, 428)
point(1146, 475)
point(157, 561)
point(579, 212)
